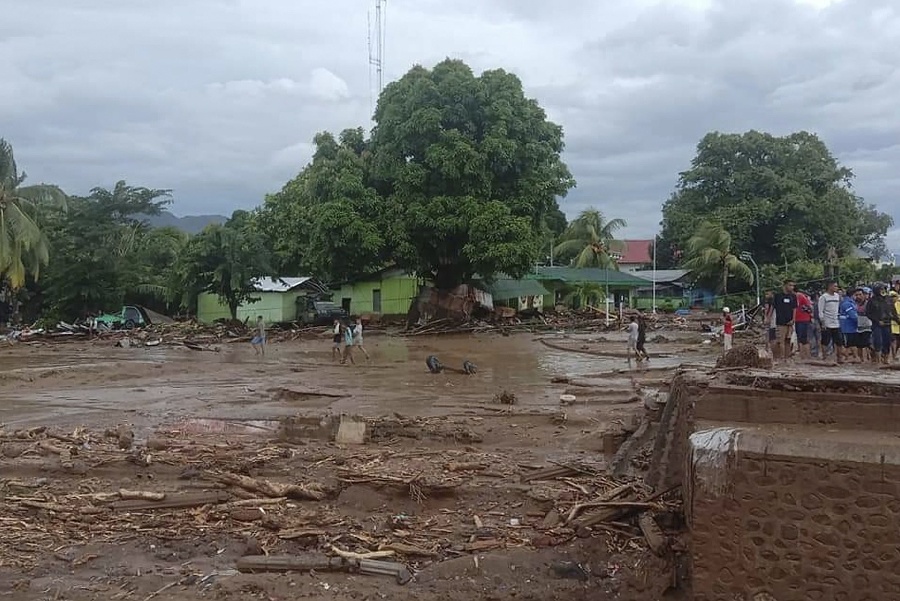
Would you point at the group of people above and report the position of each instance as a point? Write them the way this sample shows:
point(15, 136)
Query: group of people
point(637, 339)
point(861, 324)
point(347, 336)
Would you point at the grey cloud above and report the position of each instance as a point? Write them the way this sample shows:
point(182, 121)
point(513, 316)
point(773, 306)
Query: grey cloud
point(219, 99)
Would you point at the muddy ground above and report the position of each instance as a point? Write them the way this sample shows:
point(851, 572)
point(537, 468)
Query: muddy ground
point(445, 481)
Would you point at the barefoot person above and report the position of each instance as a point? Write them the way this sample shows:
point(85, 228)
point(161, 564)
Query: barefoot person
point(358, 337)
point(348, 344)
point(633, 331)
point(336, 339)
point(643, 355)
point(259, 340)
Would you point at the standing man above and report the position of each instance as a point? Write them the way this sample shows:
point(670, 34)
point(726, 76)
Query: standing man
point(336, 340)
point(863, 324)
point(358, 337)
point(849, 318)
point(803, 316)
point(727, 329)
point(895, 327)
point(882, 313)
point(348, 344)
point(259, 340)
point(633, 330)
point(769, 321)
point(829, 310)
point(785, 304)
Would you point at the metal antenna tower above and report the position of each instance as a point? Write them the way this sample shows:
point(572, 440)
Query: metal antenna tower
point(376, 54)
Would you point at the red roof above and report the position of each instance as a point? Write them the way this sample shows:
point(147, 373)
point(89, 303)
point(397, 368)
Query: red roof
point(637, 252)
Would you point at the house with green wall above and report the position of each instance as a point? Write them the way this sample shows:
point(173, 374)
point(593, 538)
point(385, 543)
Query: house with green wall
point(520, 295)
point(390, 292)
point(563, 281)
point(278, 301)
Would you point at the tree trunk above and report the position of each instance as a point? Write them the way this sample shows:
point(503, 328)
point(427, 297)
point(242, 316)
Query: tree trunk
point(448, 277)
point(725, 281)
point(233, 307)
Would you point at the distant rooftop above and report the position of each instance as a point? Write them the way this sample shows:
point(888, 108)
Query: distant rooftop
point(662, 275)
point(277, 284)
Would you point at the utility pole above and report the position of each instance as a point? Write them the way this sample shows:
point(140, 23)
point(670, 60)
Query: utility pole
point(654, 274)
point(746, 256)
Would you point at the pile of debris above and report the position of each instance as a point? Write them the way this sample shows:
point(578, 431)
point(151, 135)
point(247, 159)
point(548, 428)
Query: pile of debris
point(219, 495)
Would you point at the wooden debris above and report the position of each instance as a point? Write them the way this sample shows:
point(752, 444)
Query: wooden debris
point(484, 545)
point(653, 534)
point(301, 533)
point(358, 556)
point(143, 495)
point(314, 492)
point(550, 473)
point(289, 563)
point(173, 502)
point(409, 550)
point(604, 498)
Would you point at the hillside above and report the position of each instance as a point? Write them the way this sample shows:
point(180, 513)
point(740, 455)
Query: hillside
point(189, 223)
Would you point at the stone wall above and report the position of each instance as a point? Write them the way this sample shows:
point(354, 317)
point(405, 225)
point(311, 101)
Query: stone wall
point(791, 485)
point(811, 520)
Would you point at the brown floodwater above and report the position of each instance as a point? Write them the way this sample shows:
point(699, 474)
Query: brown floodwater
point(99, 382)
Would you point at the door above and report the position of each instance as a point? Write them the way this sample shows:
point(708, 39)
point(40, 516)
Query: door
point(376, 301)
point(345, 304)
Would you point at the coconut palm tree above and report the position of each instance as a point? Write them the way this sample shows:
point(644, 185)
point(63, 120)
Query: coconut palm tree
point(590, 239)
point(23, 246)
point(709, 254)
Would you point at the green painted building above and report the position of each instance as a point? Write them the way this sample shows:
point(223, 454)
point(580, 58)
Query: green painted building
point(518, 294)
point(278, 301)
point(563, 281)
point(389, 292)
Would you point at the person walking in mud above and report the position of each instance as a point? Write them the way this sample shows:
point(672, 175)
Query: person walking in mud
point(336, 339)
point(259, 339)
point(348, 344)
point(642, 353)
point(631, 347)
point(358, 337)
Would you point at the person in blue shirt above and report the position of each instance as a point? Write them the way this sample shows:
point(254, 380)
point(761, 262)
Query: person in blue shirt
point(848, 317)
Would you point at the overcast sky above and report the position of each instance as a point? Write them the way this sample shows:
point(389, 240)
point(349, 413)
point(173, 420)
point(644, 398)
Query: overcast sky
point(219, 99)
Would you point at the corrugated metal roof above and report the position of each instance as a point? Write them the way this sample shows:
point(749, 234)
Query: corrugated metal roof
point(277, 284)
point(662, 275)
point(588, 274)
point(504, 289)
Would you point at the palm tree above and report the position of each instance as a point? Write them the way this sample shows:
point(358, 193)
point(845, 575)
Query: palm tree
point(23, 246)
point(589, 238)
point(709, 254)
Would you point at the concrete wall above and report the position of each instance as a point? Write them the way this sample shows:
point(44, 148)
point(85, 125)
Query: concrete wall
point(275, 307)
point(397, 294)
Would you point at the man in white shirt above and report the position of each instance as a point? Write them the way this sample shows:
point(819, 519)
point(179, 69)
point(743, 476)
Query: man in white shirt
point(633, 330)
point(358, 337)
point(829, 321)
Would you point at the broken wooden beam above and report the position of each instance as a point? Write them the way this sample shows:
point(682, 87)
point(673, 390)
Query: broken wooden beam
point(173, 501)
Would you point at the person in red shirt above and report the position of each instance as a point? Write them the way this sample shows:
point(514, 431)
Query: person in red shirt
point(727, 328)
point(803, 316)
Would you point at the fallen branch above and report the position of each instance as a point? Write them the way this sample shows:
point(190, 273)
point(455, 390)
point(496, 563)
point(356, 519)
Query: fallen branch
point(173, 502)
point(360, 556)
point(313, 492)
point(143, 495)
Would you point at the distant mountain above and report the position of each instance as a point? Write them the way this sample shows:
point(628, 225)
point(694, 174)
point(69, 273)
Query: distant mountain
point(189, 223)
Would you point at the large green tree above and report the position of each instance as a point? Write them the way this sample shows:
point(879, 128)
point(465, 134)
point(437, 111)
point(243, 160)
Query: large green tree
point(326, 221)
point(589, 240)
point(782, 198)
point(98, 249)
point(710, 256)
point(223, 259)
point(467, 167)
point(23, 243)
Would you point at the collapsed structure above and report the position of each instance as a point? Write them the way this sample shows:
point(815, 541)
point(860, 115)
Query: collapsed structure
point(790, 483)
